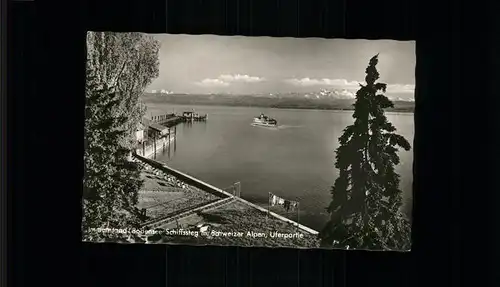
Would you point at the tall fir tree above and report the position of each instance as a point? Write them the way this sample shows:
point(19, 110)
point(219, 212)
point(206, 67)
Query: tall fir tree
point(119, 67)
point(366, 199)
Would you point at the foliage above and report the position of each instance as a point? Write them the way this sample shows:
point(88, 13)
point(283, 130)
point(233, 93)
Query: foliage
point(366, 199)
point(119, 67)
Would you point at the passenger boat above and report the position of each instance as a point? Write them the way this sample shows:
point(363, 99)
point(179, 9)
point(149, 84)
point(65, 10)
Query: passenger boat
point(264, 121)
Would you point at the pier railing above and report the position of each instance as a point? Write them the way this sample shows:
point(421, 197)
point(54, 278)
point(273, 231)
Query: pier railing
point(173, 119)
point(162, 118)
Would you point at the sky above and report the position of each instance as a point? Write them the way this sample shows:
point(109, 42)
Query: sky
point(210, 64)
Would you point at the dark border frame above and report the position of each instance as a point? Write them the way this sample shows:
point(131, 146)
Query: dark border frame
point(4, 232)
point(343, 19)
point(446, 33)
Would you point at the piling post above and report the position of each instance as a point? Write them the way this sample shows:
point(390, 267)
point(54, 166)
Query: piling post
point(268, 203)
point(154, 145)
point(168, 150)
point(298, 215)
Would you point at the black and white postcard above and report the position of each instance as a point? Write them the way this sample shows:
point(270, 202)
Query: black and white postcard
point(248, 141)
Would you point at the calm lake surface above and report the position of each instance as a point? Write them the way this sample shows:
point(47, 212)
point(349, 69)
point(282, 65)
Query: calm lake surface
point(295, 161)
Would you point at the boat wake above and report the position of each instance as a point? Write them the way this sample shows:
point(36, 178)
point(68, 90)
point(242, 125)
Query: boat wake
point(269, 123)
point(265, 127)
point(280, 127)
point(289, 127)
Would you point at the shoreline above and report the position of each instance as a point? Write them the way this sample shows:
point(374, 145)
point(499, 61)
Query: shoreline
point(173, 201)
point(405, 111)
point(214, 190)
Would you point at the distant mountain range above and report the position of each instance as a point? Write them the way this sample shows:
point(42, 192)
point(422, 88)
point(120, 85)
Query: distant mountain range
point(323, 100)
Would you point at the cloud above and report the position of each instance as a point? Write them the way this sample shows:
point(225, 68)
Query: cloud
point(212, 83)
point(226, 80)
point(347, 85)
point(401, 89)
point(240, 78)
point(404, 99)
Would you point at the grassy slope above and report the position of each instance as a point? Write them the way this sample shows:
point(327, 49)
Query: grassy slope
point(160, 198)
point(239, 217)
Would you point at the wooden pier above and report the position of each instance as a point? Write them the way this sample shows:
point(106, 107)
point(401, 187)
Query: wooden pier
point(170, 120)
point(192, 116)
point(167, 120)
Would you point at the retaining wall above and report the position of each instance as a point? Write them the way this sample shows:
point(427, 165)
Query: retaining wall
point(187, 178)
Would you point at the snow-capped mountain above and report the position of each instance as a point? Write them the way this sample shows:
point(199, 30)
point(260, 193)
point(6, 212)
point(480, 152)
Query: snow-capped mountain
point(330, 94)
point(344, 94)
point(400, 99)
point(324, 96)
point(165, 92)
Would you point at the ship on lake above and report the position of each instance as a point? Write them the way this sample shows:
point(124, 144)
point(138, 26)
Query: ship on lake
point(264, 121)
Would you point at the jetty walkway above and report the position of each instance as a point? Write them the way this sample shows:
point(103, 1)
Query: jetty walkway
point(171, 120)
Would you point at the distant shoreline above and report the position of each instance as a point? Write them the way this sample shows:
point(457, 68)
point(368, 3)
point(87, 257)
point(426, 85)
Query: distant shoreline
point(298, 106)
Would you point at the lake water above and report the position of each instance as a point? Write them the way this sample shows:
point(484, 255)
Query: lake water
point(295, 161)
